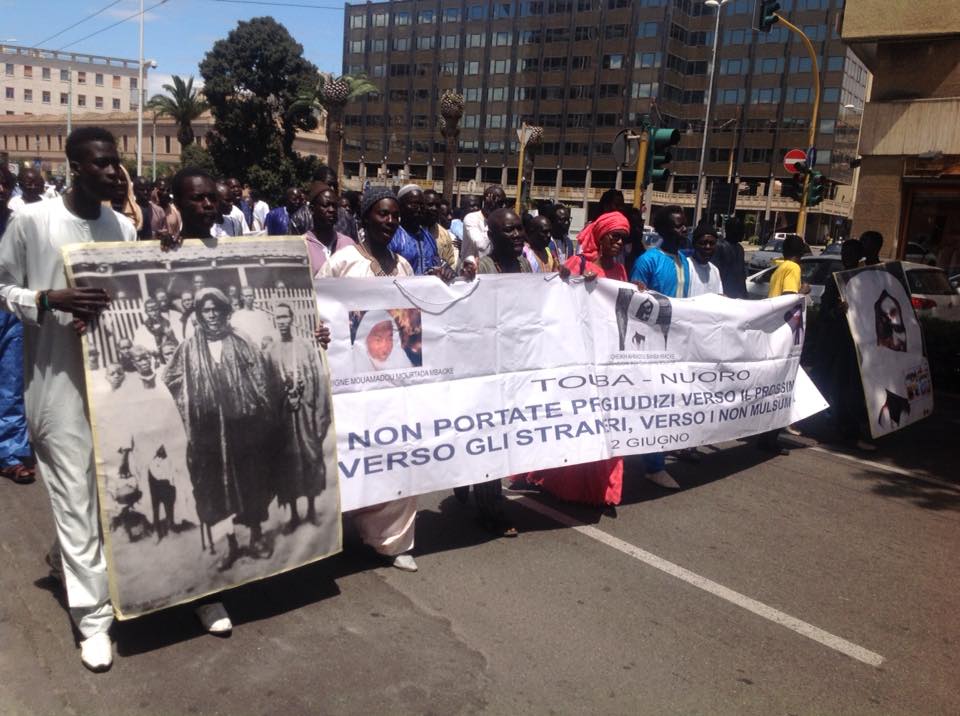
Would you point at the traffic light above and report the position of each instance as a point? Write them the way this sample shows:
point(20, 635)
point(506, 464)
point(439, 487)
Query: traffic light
point(764, 17)
point(816, 188)
point(793, 188)
point(660, 155)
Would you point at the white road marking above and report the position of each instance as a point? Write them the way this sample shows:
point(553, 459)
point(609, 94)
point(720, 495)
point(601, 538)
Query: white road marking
point(883, 467)
point(836, 643)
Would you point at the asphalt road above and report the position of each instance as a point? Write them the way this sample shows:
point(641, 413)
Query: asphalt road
point(814, 583)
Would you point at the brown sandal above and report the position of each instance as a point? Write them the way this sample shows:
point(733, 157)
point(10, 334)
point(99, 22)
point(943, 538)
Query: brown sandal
point(20, 474)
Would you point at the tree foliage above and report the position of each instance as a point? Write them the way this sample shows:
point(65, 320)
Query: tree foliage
point(182, 104)
point(252, 81)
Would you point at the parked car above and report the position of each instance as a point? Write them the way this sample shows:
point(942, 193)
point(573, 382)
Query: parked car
point(814, 270)
point(931, 293)
point(916, 253)
point(771, 250)
point(832, 249)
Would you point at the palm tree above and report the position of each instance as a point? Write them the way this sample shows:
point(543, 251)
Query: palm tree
point(182, 104)
point(328, 99)
point(451, 112)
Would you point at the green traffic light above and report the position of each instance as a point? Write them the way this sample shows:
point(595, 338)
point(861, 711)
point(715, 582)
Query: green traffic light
point(765, 15)
point(660, 156)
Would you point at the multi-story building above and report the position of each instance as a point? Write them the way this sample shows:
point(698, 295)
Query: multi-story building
point(586, 69)
point(47, 82)
point(909, 188)
point(39, 139)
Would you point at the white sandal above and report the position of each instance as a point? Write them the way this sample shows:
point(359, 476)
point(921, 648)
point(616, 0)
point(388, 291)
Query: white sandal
point(214, 618)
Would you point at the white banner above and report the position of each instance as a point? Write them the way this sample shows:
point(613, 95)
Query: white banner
point(894, 370)
point(437, 386)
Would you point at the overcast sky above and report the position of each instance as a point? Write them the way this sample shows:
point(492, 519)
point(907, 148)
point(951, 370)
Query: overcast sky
point(177, 34)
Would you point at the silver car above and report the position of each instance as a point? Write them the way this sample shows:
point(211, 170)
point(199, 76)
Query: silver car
point(771, 250)
point(814, 270)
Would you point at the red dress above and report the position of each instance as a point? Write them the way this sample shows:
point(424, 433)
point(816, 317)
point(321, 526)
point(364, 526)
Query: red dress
point(592, 483)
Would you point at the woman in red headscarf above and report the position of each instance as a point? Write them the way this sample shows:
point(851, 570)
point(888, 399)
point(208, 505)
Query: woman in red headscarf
point(601, 243)
point(592, 483)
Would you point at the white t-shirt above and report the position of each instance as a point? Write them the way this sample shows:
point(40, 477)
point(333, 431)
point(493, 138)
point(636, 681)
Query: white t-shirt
point(476, 241)
point(350, 262)
point(704, 278)
point(260, 211)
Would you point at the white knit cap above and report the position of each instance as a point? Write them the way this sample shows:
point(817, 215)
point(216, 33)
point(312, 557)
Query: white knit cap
point(406, 189)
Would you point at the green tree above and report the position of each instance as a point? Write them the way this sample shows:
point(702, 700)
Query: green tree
point(196, 156)
point(327, 99)
point(252, 80)
point(182, 104)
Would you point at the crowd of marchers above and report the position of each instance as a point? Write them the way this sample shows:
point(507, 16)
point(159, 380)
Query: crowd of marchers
point(408, 232)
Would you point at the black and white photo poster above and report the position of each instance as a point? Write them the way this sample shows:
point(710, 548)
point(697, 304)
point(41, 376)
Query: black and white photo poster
point(893, 366)
point(212, 416)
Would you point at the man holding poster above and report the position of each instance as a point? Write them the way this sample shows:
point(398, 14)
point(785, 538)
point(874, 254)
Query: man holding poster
point(33, 287)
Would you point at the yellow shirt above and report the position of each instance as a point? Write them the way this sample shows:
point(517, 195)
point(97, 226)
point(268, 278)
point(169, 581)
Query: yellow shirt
point(785, 279)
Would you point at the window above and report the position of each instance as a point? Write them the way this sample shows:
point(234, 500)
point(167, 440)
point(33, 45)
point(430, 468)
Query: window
point(501, 39)
point(476, 12)
point(45, 97)
point(81, 100)
point(451, 14)
point(115, 102)
point(356, 46)
point(64, 75)
point(610, 91)
point(648, 29)
point(45, 73)
point(754, 155)
point(816, 33)
point(765, 95)
point(499, 67)
point(719, 154)
point(469, 146)
point(379, 70)
point(642, 90)
point(65, 98)
point(475, 39)
point(426, 43)
point(450, 42)
point(82, 80)
point(9, 93)
point(472, 94)
point(616, 4)
point(615, 32)
point(585, 33)
point(835, 63)
point(496, 121)
point(580, 63)
point(496, 94)
point(98, 79)
point(401, 44)
point(529, 64)
point(555, 64)
point(471, 68)
point(502, 9)
point(28, 95)
point(831, 94)
point(737, 66)
point(8, 69)
point(558, 34)
point(768, 66)
point(98, 102)
point(800, 64)
point(471, 121)
point(799, 95)
point(613, 62)
point(401, 18)
point(827, 126)
point(449, 69)
point(426, 17)
point(648, 60)
point(399, 70)
point(116, 81)
point(730, 96)
point(28, 71)
point(380, 19)
point(358, 21)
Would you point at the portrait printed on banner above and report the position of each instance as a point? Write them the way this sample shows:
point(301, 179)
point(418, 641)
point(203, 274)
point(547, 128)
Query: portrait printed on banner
point(212, 416)
point(386, 339)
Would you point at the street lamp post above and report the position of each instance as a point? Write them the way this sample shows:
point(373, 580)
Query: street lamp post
point(718, 4)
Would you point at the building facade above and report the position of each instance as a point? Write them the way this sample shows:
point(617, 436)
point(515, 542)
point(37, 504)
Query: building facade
point(909, 187)
point(39, 139)
point(587, 69)
point(48, 82)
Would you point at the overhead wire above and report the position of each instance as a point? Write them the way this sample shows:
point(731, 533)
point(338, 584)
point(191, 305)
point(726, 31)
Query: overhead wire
point(78, 22)
point(113, 25)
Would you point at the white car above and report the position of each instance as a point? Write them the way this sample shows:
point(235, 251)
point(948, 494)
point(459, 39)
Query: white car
point(931, 293)
point(814, 270)
point(765, 255)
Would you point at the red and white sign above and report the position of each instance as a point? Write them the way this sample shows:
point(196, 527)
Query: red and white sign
point(792, 158)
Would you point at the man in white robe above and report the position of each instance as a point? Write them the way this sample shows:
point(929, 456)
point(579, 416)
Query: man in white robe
point(33, 287)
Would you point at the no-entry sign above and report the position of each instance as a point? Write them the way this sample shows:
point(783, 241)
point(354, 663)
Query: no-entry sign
point(792, 158)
